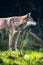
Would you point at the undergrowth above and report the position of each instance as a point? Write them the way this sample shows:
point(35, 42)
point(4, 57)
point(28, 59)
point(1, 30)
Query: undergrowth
point(21, 57)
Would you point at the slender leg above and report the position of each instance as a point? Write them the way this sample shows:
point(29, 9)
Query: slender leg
point(10, 41)
point(16, 41)
point(11, 35)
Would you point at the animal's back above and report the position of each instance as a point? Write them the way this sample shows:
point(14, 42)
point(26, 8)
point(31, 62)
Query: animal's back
point(12, 21)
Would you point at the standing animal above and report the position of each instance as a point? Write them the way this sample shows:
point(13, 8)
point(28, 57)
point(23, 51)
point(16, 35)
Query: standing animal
point(11, 23)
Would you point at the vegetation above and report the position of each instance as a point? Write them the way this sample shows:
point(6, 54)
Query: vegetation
point(24, 57)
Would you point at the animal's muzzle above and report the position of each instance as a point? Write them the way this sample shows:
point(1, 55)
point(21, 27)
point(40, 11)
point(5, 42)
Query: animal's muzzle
point(29, 23)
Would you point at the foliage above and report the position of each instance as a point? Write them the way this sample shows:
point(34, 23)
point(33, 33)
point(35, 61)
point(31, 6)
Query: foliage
point(28, 57)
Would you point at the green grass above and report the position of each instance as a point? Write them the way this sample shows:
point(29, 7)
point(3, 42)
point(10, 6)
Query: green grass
point(27, 57)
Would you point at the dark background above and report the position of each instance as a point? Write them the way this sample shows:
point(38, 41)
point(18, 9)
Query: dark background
point(21, 7)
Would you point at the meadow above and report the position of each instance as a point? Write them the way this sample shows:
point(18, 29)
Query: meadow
point(21, 57)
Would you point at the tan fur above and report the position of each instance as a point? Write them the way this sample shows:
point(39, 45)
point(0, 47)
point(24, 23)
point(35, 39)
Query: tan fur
point(12, 20)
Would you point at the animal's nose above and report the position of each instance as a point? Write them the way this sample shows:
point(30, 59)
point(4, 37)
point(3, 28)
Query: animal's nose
point(34, 24)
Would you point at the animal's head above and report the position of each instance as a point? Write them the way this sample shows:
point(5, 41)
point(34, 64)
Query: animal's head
point(30, 21)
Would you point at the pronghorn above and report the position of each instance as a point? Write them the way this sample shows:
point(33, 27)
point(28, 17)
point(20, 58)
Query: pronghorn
point(11, 23)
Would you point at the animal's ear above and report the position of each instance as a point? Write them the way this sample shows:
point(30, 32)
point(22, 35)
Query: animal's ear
point(29, 14)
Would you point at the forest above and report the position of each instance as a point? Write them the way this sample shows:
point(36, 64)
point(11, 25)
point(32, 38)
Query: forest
point(27, 45)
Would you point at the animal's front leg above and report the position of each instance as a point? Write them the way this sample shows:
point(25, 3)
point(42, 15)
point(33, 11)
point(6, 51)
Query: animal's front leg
point(16, 40)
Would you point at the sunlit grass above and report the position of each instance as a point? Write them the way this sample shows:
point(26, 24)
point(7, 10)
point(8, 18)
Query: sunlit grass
point(19, 57)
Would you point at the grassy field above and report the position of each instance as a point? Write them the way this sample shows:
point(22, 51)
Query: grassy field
point(24, 57)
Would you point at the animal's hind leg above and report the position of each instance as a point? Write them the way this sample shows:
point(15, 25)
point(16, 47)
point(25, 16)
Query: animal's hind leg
point(10, 41)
